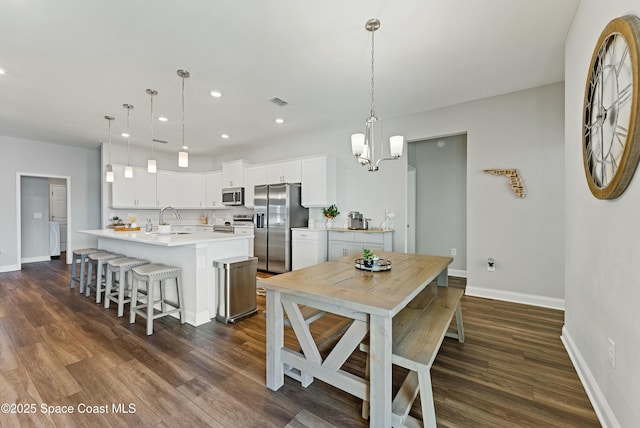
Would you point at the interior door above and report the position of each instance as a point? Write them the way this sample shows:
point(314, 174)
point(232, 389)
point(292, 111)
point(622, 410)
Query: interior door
point(58, 210)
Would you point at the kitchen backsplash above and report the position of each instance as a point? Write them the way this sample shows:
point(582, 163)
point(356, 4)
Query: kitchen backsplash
point(189, 216)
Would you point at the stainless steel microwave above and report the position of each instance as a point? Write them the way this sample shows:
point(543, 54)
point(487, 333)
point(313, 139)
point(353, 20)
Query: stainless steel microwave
point(233, 196)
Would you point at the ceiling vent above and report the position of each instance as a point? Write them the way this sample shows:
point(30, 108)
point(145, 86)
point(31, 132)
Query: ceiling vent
point(160, 141)
point(279, 101)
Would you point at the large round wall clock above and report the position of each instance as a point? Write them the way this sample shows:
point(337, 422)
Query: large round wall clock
point(611, 121)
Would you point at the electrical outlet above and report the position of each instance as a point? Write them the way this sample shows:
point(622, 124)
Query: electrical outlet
point(491, 264)
point(612, 353)
point(454, 252)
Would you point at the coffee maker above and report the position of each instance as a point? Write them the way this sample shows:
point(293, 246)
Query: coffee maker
point(356, 222)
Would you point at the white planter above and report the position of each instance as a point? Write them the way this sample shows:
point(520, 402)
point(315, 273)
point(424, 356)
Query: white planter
point(164, 229)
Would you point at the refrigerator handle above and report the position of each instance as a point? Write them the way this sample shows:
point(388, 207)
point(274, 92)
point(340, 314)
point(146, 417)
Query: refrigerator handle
point(260, 221)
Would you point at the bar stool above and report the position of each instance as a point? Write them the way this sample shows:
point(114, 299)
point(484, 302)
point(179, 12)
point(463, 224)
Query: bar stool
point(80, 255)
point(150, 274)
point(98, 260)
point(119, 271)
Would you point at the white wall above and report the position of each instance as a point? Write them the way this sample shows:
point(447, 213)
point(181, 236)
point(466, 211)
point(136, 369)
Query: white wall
point(37, 158)
point(602, 286)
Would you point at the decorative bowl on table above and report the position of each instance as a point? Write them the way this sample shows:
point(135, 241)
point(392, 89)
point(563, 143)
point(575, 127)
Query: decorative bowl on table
point(378, 265)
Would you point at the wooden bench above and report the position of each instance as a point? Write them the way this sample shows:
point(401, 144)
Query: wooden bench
point(418, 332)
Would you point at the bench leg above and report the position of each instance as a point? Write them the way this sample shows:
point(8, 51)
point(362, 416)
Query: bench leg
point(426, 399)
point(459, 323)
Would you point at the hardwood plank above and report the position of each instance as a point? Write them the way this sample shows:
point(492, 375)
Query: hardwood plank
point(63, 344)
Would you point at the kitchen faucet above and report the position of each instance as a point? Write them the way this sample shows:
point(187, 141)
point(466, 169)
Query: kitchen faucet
point(168, 208)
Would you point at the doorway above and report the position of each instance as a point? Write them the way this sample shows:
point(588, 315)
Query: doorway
point(58, 209)
point(441, 198)
point(33, 215)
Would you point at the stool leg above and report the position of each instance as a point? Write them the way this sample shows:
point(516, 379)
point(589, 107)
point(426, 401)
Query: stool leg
point(99, 287)
point(74, 261)
point(134, 299)
point(107, 287)
point(89, 275)
point(180, 301)
point(150, 299)
point(83, 259)
point(122, 283)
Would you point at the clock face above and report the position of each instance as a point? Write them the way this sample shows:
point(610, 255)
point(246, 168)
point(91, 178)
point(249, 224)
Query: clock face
point(611, 146)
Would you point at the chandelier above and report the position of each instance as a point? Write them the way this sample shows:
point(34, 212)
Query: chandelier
point(363, 145)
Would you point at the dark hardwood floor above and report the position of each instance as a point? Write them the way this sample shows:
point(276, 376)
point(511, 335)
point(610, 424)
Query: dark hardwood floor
point(58, 348)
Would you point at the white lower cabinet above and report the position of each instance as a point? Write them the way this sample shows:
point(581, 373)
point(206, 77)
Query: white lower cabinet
point(308, 247)
point(344, 243)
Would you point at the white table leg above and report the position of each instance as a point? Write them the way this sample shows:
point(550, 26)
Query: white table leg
point(380, 342)
point(275, 340)
point(443, 277)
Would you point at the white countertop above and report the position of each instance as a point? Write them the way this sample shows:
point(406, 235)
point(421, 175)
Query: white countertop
point(169, 240)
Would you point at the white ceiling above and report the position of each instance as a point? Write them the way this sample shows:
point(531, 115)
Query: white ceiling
point(69, 63)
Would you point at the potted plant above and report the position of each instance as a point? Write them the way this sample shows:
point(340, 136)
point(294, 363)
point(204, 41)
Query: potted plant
point(369, 257)
point(330, 213)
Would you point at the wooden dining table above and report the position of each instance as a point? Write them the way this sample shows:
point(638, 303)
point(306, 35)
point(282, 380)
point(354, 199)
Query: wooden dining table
point(369, 299)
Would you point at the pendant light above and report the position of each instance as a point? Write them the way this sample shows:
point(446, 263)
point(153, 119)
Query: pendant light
point(128, 170)
point(109, 166)
point(183, 154)
point(151, 163)
point(363, 145)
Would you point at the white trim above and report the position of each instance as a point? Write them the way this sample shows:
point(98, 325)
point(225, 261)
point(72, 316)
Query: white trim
point(35, 259)
point(9, 268)
point(458, 272)
point(598, 400)
point(511, 296)
point(19, 176)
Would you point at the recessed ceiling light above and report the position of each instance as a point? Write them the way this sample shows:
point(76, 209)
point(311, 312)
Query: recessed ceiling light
point(185, 147)
point(162, 119)
point(279, 120)
point(216, 94)
point(225, 136)
point(2, 71)
point(125, 135)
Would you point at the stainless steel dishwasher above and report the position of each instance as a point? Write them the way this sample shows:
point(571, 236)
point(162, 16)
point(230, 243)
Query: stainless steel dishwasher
point(236, 288)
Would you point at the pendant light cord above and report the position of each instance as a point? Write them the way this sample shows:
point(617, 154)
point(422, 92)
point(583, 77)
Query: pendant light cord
point(373, 112)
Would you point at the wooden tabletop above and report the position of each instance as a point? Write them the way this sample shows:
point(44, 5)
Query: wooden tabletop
point(382, 293)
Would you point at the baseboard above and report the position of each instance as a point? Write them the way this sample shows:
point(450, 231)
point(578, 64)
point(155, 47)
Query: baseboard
point(35, 259)
point(598, 400)
point(9, 268)
point(510, 296)
point(458, 273)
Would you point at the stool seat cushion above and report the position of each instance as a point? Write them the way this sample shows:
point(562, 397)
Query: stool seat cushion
point(156, 269)
point(125, 262)
point(103, 255)
point(85, 251)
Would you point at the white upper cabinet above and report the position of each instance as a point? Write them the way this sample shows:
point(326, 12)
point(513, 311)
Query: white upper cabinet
point(136, 192)
point(252, 176)
point(284, 172)
point(191, 190)
point(233, 173)
point(168, 189)
point(213, 190)
point(318, 181)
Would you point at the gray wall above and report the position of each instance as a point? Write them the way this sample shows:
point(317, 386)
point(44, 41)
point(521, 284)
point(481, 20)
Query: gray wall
point(602, 274)
point(441, 198)
point(38, 158)
point(35, 231)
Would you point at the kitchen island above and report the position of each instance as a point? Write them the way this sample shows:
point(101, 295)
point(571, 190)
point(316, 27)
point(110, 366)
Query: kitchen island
point(193, 252)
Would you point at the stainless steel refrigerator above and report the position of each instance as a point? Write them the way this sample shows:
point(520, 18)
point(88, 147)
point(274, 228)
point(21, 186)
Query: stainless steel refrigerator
point(277, 209)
